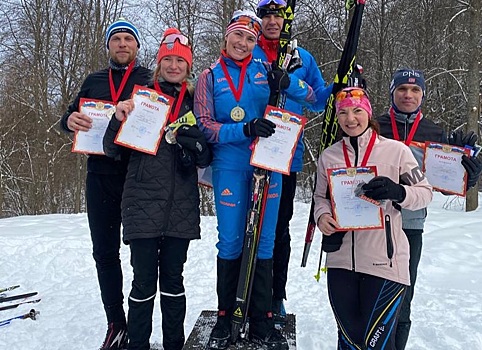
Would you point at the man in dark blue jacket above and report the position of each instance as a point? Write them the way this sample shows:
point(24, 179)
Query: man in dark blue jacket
point(267, 49)
point(405, 122)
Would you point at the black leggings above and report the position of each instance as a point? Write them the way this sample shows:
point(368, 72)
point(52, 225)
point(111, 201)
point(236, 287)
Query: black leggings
point(366, 309)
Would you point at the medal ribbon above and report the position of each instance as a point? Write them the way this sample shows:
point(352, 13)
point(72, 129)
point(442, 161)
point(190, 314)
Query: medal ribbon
point(371, 143)
point(236, 92)
point(178, 101)
point(396, 136)
point(116, 94)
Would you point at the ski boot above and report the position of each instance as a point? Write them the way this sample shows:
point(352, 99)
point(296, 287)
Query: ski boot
point(116, 337)
point(220, 337)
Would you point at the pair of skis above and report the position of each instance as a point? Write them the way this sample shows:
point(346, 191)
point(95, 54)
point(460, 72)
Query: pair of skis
point(20, 298)
point(259, 195)
point(330, 124)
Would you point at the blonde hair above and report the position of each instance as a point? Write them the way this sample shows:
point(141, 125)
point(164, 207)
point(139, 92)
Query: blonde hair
point(188, 79)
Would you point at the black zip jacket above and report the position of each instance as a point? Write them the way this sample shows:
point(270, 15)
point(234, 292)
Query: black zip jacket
point(427, 130)
point(161, 196)
point(96, 86)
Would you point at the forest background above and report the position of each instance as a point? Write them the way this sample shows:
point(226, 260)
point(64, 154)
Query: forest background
point(48, 47)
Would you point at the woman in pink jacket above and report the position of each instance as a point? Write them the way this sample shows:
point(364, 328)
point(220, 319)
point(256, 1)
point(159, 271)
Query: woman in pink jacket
point(368, 268)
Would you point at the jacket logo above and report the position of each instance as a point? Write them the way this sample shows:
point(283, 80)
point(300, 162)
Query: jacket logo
point(414, 177)
point(259, 75)
point(376, 336)
point(226, 192)
point(301, 83)
point(227, 204)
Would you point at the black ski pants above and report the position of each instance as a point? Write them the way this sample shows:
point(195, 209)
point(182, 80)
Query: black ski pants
point(404, 322)
point(282, 248)
point(157, 259)
point(366, 309)
point(103, 196)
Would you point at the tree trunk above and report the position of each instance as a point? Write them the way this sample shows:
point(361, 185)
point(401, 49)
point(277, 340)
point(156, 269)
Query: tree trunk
point(473, 85)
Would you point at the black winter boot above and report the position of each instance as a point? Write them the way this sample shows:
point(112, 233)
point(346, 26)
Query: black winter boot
point(226, 285)
point(261, 324)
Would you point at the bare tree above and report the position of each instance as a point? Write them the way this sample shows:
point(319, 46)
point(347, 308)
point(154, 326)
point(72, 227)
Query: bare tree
point(473, 83)
point(47, 48)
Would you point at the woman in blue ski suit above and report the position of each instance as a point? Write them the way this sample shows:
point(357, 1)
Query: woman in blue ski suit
point(229, 103)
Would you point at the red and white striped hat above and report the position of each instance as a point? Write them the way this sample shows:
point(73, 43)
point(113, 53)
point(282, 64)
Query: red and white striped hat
point(246, 21)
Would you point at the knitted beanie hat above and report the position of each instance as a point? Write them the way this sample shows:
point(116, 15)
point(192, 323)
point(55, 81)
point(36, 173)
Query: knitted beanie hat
point(246, 21)
point(407, 76)
point(121, 26)
point(174, 43)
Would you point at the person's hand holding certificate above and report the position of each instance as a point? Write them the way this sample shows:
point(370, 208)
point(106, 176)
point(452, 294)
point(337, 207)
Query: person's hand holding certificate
point(143, 119)
point(100, 112)
point(443, 167)
point(350, 211)
point(276, 152)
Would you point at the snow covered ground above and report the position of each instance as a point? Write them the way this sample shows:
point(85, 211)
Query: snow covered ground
point(51, 254)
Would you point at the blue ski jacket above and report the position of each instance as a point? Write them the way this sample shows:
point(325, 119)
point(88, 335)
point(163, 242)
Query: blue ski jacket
point(214, 101)
point(316, 100)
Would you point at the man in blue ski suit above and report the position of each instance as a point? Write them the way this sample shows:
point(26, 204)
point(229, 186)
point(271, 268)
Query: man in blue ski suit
point(306, 69)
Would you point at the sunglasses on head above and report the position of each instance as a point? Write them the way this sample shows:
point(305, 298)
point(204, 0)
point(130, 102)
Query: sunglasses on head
point(171, 39)
point(355, 93)
point(264, 3)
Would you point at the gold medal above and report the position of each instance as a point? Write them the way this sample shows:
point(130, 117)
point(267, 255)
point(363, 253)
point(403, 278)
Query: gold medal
point(237, 114)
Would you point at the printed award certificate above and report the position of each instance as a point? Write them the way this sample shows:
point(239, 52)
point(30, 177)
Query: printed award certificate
point(90, 142)
point(443, 168)
point(143, 128)
point(350, 211)
point(277, 151)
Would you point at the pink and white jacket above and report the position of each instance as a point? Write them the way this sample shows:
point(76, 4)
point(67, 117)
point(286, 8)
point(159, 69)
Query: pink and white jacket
point(367, 251)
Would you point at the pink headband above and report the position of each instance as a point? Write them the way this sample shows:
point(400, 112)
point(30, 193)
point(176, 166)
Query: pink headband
point(353, 97)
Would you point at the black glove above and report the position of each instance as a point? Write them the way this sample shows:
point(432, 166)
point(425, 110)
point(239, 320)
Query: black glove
point(473, 166)
point(457, 138)
point(278, 79)
point(295, 61)
point(333, 242)
point(192, 139)
point(356, 78)
point(382, 187)
point(259, 127)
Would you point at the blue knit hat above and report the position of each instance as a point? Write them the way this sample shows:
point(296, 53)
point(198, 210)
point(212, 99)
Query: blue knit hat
point(121, 26)
point(407, 76)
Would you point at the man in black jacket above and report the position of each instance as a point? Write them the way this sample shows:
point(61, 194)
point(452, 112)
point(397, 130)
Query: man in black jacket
point(105, 176)
point(405, 122)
